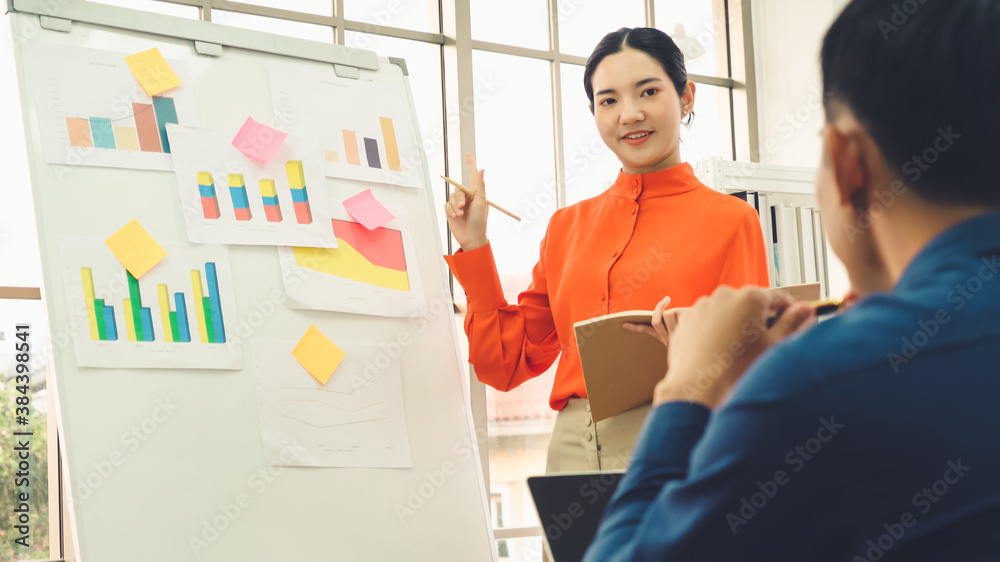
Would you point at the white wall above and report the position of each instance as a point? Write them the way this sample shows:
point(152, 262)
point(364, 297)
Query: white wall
point(787, 38)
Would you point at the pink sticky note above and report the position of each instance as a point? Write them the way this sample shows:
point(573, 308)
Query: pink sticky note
point(258, 141)
point(365, 209)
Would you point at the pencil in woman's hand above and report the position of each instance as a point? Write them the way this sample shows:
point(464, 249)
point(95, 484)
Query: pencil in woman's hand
point(488, 202)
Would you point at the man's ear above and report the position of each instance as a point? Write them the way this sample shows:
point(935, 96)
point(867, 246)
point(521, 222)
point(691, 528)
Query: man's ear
point(591, 106)
point(846, 158)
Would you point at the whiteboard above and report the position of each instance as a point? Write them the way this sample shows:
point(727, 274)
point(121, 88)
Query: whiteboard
point(168, 464)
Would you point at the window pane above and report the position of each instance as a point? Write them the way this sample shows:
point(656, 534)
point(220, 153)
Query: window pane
point(524, 23)
point(582, 23)
point(423, 60)
point(310, 31)
point(699, 29)
point(590, 165)
point(154, 6)
point(710, 133)
point(515, 146)
point(419, 15)
point(317, 7)
point(527, 549)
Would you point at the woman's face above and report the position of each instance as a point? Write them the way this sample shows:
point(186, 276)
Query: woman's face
point(638, 111)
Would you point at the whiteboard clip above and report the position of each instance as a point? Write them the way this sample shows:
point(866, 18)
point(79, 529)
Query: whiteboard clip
point(401, 63)
point(345, 71)
point(208, 49)
point(56, 24)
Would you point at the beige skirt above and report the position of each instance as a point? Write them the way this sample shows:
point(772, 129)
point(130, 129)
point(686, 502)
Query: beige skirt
point(580, 445)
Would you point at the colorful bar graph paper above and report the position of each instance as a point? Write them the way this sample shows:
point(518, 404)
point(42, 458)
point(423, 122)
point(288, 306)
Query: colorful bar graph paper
point(269, 195)
point(300, 199)
point(102, 132)
point(391, 148)
point(145, 125)
point(79, 132)
point(216, 304)
point(351, 148)
point(209, 198)
point(238, 192)
point(165, 113)
point(332, 156)
point(371, 150)
point(174, 316)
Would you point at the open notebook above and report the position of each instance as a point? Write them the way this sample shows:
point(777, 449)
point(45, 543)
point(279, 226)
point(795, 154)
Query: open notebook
point(621, 367)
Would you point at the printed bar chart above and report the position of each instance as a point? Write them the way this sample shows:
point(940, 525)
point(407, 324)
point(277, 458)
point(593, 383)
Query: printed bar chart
point(372, 156)
point(300, 199)
point(269, 195)
point(173, 316)
point(238, 193)
point(209, 198)
point(148, 135)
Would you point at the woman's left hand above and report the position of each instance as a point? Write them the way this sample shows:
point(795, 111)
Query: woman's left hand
point(663, 323)
point(721, 336)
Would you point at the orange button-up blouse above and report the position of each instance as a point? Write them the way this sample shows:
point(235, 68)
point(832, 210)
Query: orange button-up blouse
point(648, 236)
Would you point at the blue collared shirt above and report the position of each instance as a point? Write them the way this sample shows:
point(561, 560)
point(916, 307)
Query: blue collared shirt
point(871, 436)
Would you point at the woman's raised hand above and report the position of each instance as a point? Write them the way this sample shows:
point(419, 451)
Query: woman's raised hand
point(467, 213)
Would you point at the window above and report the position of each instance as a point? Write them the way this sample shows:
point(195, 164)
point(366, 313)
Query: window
point(534, 134)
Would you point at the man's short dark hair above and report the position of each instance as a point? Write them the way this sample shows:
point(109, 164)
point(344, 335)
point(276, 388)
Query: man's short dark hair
point(923, 78)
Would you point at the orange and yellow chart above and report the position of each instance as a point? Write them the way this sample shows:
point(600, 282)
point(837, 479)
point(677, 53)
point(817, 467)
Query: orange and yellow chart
point(372, 272)
point(373, 257)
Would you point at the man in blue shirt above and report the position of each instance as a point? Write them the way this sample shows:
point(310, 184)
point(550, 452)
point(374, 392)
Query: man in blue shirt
point(869, 436)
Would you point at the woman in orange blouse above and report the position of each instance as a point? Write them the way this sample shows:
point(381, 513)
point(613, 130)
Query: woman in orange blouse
point(657, 231)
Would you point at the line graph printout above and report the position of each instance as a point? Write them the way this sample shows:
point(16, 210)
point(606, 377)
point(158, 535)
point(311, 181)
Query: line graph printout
point(230, 198)
point(93, 112)
point(355, 420)
point(366, 128)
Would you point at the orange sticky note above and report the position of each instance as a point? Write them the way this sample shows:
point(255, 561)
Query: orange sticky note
point(135, 248)
point(318, 354)
point(152, 71)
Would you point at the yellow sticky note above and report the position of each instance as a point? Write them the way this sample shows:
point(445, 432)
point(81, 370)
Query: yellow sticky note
point(318, 354)
point(135, 248)
point(152, 71)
